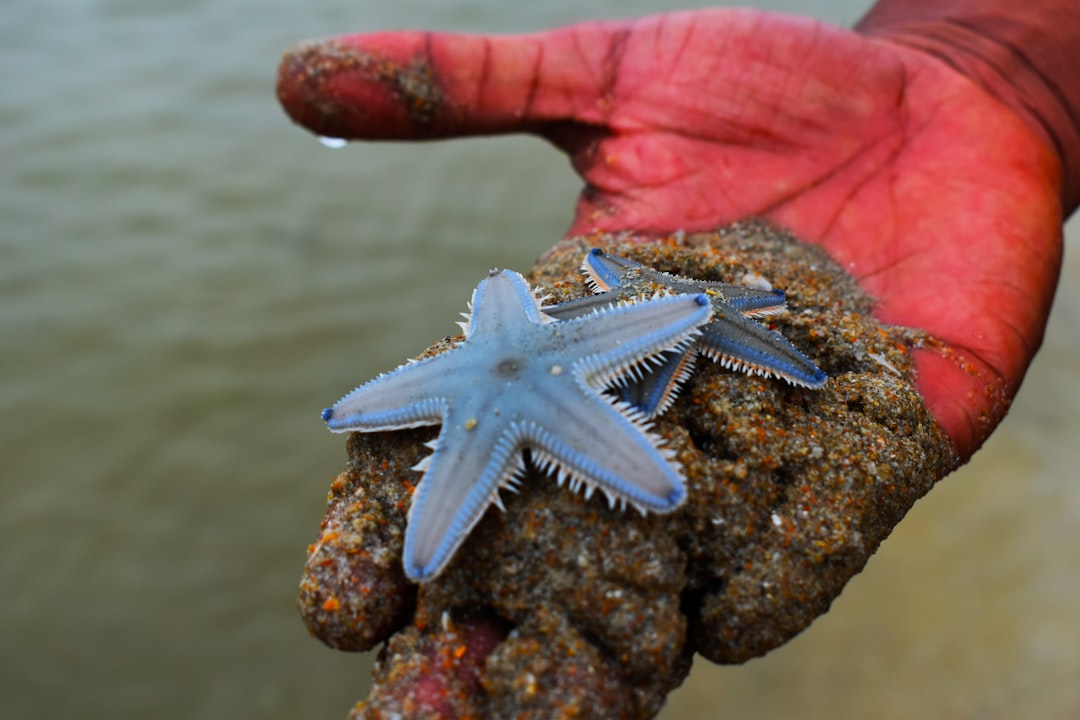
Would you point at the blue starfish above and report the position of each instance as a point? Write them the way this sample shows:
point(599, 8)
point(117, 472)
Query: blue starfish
point(522, 380)
point(732, 338)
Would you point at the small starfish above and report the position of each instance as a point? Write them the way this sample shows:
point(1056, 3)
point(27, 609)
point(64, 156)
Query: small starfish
point(732, 338)
point(522, 380)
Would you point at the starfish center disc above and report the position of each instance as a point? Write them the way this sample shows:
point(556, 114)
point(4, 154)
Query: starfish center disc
point(509, 368)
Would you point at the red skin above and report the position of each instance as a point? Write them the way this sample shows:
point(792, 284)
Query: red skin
point(940, 199)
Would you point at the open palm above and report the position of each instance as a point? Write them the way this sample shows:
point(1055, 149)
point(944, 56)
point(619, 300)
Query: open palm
point(940, 200)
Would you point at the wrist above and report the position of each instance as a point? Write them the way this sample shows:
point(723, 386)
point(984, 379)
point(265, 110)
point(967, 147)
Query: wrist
point(1024, 56)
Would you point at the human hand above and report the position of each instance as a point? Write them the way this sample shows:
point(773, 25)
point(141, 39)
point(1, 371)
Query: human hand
point(939, 200)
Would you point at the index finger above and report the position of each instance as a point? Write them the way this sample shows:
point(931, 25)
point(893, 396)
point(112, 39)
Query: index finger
point(426, 85)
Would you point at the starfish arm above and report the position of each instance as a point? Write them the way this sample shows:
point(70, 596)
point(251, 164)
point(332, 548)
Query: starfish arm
point(581, 306)
point(604, 446)
point(751, 301)
point(604, 272)
point(410, 396)
point(657, 389)
point(654, 392)
point(502, 300)
point(473, 458)
point(741, 344)
point(611, 341)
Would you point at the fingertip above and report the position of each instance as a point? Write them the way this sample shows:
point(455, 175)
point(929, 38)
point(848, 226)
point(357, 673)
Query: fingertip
point(416, 85)
point(361, 87)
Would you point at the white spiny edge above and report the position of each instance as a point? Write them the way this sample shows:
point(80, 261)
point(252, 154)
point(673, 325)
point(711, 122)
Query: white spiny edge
point(541, 296)
point(631, 412)
point(765, 312)
point(575, 482)
point(591, 278)
point(615, 306)
point(466, 325)
point(607, 377)
point(422, 465)
point(686, 369)
point(549, 465)
point(511, 483)
point(511, 477)
point(660, 294)
point(594, 284)
point(674, 385)
point(621, 374)
point(507, 453)
point(511, 480)
point(730, 363)
point(380, 376)
point(421, 414)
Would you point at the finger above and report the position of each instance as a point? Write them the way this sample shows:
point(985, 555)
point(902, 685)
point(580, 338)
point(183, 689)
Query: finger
point(414, 85)
point(433, 672)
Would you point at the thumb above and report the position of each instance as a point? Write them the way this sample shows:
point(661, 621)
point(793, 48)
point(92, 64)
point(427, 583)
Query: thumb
point(420, 85)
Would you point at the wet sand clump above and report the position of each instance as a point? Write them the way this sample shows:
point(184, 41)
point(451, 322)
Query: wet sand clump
point(580, 608)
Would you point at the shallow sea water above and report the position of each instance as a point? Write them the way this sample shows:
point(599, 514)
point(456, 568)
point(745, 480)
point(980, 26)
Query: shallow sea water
point(186, 279)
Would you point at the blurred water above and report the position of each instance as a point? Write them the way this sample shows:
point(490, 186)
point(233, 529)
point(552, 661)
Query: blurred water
point(186, 279)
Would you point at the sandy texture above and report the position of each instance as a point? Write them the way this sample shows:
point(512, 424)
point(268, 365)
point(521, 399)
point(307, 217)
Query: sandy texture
point(317, 85)
point(584, 611)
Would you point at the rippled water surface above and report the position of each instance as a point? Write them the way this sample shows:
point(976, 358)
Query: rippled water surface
point(186, 280)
